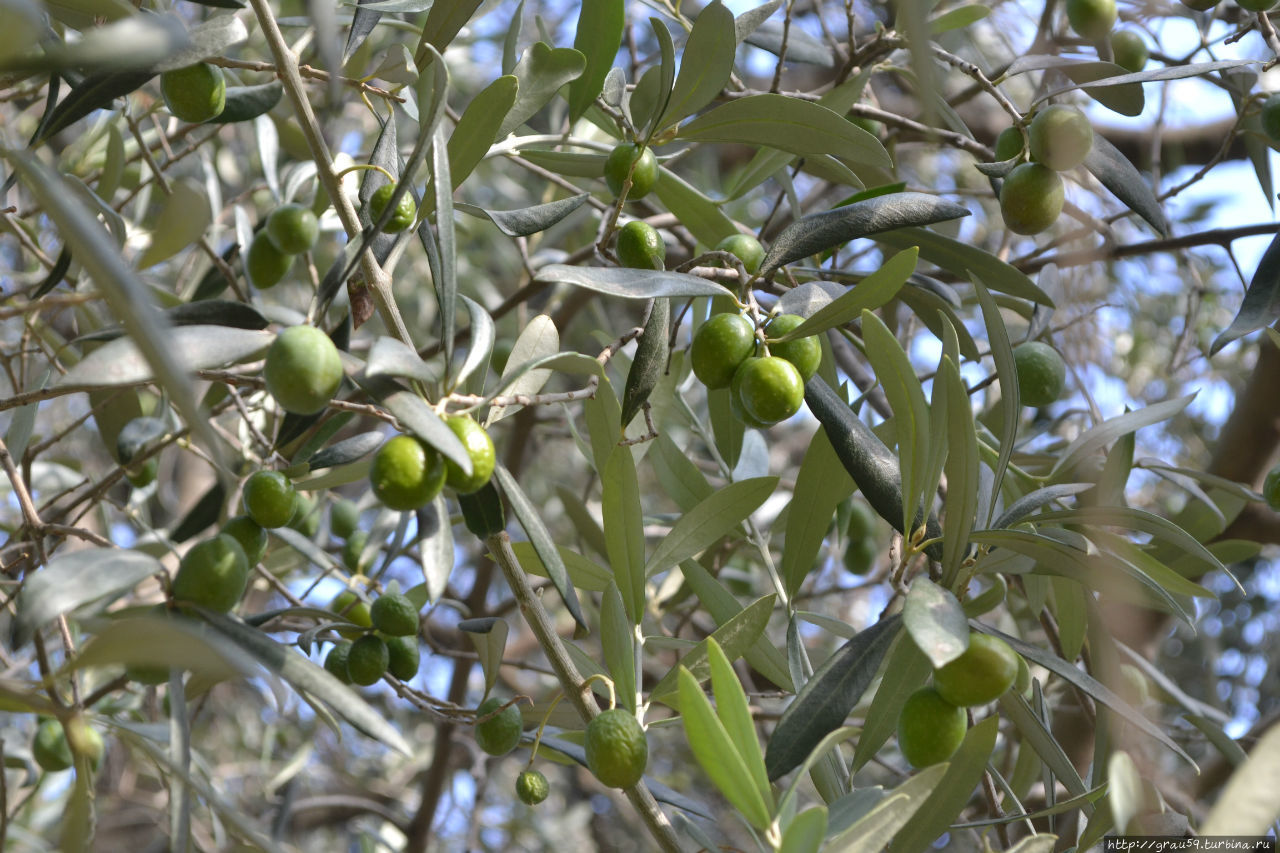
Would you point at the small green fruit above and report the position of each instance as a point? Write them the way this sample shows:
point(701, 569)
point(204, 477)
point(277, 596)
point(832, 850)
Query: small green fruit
point(196, 93)
point(1271, 488)
point(1042, 374)
point(404, 657)
point(303, 370)
point(406, 211)
point(140, 476)
point(770, 389)
point(860, 556)
point(805, 354)
point(1091, 19)
point(50, 748)
point(367, 660)
point(1129, 50)
point(269, 499)
point(1256, 5)
point(1061, 137)
point(930, 729)
point(251, 536)
point(479, 447)
point(532, 787)
point(1200, 5)
point(499, 734)
point(862, 521)
point(719, 347)
point(266, 265)
point(349, 606)
point(406, 473)
point(212, 574)
point(643, 177)
point(293, 228)
point(306, 516)
point(1031, 199)
point(640, 246)
point(353, 550)
point(1009, 144)
point(394, 615)
point(344, 518)
point(336, 662)
point(745, 248)
point(981, 674)
point(617, 751)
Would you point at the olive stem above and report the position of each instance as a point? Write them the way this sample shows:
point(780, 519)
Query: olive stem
point(376, 278)
point(571, 680)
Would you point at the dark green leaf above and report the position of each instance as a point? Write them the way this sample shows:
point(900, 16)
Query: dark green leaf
point(248, 102)
point(821, 484)
point(1114, 171)
point(1029, 503)
point(598, 37)
point(362, 24)
point(827, 698)
point(444, 21)
point(201, 516)
point(480, 125)
point(965, 260)
point(95, 92)
point(206, 312)
point(650, 360)
point(527, 220)
point(905, 669)
point(631, 283)
point(527, 514)
point(346, 451)
point(789, 124)
point(818, 232)
point(482, 512)
point(1261, 305)
point(55, 276)
point(865, 457)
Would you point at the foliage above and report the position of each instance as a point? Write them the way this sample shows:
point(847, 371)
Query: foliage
point(512, 256)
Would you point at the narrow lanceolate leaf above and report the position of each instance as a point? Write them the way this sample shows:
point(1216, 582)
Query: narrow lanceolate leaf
point(362, 23)
point(819, 232)
point(763, 656)
point(906, 397)
point(1261, 305)
point(122, 362)
point(489, 636)
point(478, 127)
point(821, 484)
point(905, 669)
point(936, 621)
point(800, 127)
point(952, 793)
point(735, 715)
point(1114, 171)
point(961, 469)
point(617, 641)
point(71, 580)
point(1248, 804)
point(738, 634)
point(482, 338)
point(631, 283)
point(542, 71)
point(310, 679)
point(1011, 416)
point(1036, 735)
point(872, 292)
point(180, 223)
point(706, 65)
point(1103, 434)
point(800, 46)
point(435, 547)
point(650, 361)
point(444, 21)
point(885, 818)
point(527, 514)
point(527, 220)
point(538, 340)
point(704, 217)
point(598, 37)
point(805, 832)
point(624, 528)
point(1032, 501)
point(873, 467)
point(346, 451)
point(717, 753)
point(965, 260)
point(827, 698)
point(714, 517)
point(96, 91)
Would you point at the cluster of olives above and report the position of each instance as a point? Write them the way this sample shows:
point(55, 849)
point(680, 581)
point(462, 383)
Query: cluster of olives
point(1094, 20)
point(407, 473)
point(1032, 196)
point(765, 376)
point(383, 638)
point(196, 93)
point(933, 721)
point(290, 230)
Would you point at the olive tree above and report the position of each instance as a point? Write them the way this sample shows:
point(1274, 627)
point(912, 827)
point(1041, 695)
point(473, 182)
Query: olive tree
point(633, 425)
